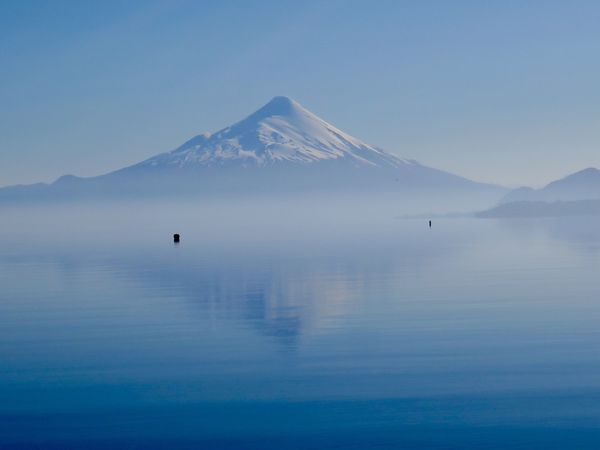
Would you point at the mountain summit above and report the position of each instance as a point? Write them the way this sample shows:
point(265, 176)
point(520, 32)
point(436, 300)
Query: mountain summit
point(282, 131)
point(281, 148)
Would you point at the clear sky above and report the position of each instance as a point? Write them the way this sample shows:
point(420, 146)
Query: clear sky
point(501, 91)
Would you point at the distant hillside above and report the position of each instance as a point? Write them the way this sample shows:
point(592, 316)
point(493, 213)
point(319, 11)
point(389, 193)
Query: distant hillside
point(543, 209)
point(582, 185)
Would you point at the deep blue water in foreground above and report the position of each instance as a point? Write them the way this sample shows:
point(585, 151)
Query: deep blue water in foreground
point(267, 333)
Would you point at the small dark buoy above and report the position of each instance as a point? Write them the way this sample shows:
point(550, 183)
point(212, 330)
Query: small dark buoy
point(430, 224)
point(176, 237)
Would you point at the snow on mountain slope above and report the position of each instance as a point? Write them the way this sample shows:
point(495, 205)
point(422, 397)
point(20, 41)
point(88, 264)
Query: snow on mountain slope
point(281, 131)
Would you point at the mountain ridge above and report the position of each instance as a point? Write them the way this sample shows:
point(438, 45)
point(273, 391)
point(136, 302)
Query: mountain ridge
point(280, 148)
point(581, 185)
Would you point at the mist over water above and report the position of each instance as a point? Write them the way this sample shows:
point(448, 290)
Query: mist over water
point(296, 324)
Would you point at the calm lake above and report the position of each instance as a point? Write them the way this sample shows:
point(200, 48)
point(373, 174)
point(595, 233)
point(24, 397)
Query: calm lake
point(273, 327)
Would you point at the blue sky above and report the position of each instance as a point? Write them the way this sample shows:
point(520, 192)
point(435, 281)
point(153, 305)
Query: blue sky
point(499, 91)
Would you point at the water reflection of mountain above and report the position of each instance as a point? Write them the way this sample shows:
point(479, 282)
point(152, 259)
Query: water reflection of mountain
point(283, 278)
point(304, 281)
point(286, 290)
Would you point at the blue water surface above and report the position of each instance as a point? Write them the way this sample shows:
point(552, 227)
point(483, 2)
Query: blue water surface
point(262, 332)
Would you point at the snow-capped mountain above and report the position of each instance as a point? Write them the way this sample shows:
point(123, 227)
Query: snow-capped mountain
point(281, 148)
point(281, 131)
